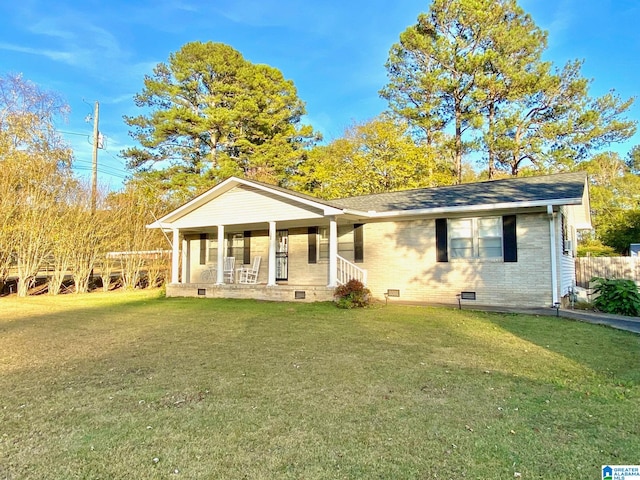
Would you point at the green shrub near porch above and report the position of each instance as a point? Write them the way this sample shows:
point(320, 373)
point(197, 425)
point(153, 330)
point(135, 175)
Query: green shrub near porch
point(352, 294)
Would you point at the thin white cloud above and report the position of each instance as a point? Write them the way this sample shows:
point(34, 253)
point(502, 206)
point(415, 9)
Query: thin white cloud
point(45, 28)
point(125, 97)
point(72, 39)
point(55, 55)
point(319, 19)
point(186, 6)
point(255, 13)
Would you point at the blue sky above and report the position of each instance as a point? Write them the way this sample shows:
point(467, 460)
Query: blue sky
point(334, 51)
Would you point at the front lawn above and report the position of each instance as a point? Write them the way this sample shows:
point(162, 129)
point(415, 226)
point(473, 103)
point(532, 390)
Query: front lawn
point(135, 386)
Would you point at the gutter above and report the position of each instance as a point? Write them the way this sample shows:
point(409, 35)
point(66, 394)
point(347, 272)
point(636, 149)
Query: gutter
point(463, 208)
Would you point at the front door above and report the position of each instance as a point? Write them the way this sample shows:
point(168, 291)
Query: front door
point(282, 255)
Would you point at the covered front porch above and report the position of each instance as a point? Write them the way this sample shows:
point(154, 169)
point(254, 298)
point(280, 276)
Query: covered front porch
point(249, 240)
point(289, 261)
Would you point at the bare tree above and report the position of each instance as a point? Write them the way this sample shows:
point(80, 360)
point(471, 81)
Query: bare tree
point(36, 165)
point(131, 209)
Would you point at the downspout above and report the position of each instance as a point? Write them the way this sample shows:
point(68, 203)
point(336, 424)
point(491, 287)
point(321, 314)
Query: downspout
point(554, 261)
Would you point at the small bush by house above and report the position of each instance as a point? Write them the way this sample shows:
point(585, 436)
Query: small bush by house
point(352, 294)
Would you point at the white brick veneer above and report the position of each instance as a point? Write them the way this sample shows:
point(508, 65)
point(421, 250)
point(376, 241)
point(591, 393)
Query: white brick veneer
point(402, 255)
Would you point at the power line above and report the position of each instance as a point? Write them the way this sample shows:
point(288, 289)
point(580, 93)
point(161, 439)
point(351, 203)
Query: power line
point(103, 170)
point(101, 167)
point(74, 133)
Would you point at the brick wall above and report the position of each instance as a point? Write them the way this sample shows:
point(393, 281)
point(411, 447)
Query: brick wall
point(402, 255)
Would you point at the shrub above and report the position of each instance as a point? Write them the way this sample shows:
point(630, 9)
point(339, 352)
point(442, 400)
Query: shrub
point(352, 294)
point(596, 249)
point(617, 296)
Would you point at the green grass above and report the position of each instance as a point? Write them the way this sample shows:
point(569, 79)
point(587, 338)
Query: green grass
point(133, 385)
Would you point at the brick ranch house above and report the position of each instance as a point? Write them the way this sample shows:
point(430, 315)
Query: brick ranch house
point(503, 243)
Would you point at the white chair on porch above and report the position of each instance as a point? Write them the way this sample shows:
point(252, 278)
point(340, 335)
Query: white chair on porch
point(229, 269)
point(249, 273)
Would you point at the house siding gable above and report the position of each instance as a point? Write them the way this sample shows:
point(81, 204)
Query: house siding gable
point(245, 204)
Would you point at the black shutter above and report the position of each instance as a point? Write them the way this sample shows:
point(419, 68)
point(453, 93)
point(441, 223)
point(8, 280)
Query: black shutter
point(442, 255)
point(203, 249)
point(246, 254)
point(509, 241)
point(358, 243)
point(313, 242)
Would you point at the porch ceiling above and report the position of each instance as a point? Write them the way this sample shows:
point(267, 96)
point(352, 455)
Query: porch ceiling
point(280, 225)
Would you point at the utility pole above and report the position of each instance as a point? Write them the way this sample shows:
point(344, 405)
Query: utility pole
point(94, 169)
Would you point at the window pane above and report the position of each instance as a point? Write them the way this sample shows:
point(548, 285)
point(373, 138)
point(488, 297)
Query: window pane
point(490, 247)
point(461, 248)
point(461, 228)
point(489, 227)
point(236, 246)
point(323, 243)
point(461, 238)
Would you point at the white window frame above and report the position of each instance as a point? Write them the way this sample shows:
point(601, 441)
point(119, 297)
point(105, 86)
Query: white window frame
point(230, 239)
point(323, 244)
point(470, 238)
point(212, 250)
point(234, 243)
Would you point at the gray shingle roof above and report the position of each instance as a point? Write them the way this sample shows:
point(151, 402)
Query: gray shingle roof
point(546, 188)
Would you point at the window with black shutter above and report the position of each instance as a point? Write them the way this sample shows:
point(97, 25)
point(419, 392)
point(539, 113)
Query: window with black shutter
point(477, 237)
point(441, 240)
point(509, 238)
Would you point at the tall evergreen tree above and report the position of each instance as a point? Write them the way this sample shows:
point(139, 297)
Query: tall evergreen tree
point(555, 124)
point(209, 113)
point(473, 70)
point(433, 71)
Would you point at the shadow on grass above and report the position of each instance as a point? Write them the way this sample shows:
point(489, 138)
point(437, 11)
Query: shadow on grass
point(609, 352)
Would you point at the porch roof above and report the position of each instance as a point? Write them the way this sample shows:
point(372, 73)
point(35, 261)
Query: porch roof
point(289, 197)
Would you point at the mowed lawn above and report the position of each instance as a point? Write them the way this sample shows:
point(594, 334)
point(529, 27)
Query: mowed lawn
point(131, 385)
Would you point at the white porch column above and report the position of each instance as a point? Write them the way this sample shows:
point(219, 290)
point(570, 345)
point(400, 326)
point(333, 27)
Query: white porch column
point(220, 270)
point(553, 248)
point(175, 256)
point(333, 252)
point(271, 282)
point(185, 261)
